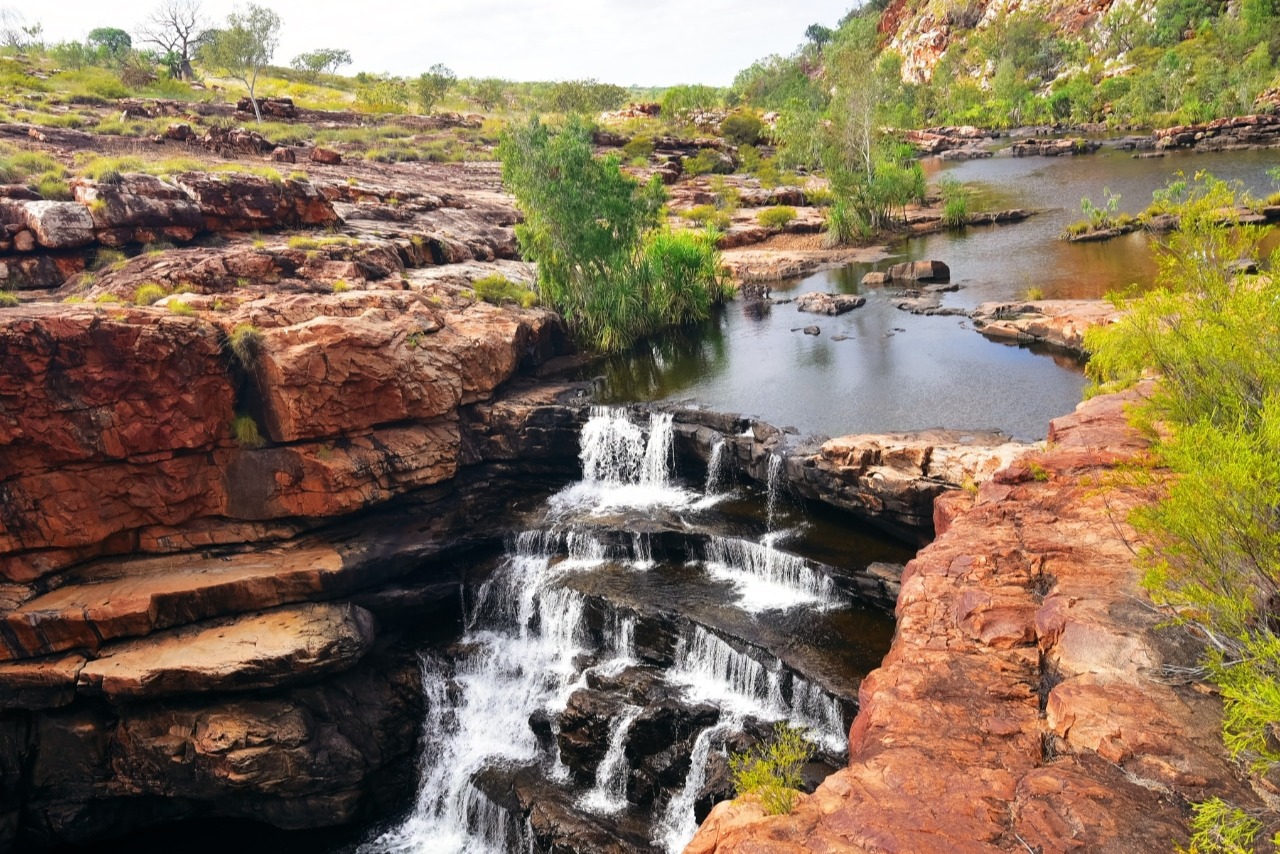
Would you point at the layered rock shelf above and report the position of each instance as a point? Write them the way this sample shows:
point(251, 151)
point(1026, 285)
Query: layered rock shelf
point(1023, 637)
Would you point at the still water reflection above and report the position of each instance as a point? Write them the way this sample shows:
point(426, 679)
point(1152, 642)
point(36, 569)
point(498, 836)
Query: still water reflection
point(896, 371)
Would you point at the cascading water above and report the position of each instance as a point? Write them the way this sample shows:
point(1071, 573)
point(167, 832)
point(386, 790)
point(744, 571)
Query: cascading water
point(767, 578)
point(539, 631)
point(717, 468)
point(609, 794)
point(776, 485)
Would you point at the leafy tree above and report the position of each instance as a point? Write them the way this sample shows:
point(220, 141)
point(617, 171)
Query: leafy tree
point(818, 34)
point(383, 95)
point(113, 43)
point(682, 100)
point(244, 47)
point(434, 85)
point(489, 92)
point(592, 231)
point(177, 27)
point(325, 60)
point(583, 96)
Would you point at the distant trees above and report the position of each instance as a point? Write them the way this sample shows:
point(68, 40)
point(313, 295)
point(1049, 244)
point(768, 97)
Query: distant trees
point(576, 97)
point(325, 60)
point(433, 85)
point(112, 43)
point(244, 47)
point(489, 92)
point(177, 28)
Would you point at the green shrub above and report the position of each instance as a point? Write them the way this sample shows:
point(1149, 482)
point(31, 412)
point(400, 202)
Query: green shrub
point(107, 170)
point(341, 287)
point(639, 147)
point(955, 202)
point(148, 294)
point(245, 432)
point(53, 187)
point(108, 259)
point(1033, 294)
point(245, 343)
point(776, 217)
point(819, 198)
point(301, 241)
point(772, 771)
point(742, 128)
point(107, 299)
point(497, 289)
point(8, 299)
point(705, 162)
point(184, 309)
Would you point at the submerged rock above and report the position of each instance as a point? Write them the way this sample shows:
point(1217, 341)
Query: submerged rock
point(831, 304)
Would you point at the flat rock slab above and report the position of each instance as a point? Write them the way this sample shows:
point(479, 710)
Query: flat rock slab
point(263, 650)
point(42, 683)
point(1060, 323)
point(832, 304)
point(134, 597)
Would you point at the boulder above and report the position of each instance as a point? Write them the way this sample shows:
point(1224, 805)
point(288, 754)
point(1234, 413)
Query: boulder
point(326, 156)
point(831, 304)
point(53, 225)
point(284, 154)
point(179, 132)
point(875, 278)
point(139, 209)
point(920, 271)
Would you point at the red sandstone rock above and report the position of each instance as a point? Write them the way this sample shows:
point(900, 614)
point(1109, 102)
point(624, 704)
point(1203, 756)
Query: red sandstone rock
point(1030, 594)
point(1061, 323)
point(325, 155)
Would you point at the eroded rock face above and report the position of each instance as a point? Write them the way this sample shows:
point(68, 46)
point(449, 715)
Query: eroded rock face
point(1023, 638)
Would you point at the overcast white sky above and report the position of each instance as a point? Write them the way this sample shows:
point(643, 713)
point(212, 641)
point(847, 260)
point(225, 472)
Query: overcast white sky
point(645, 42)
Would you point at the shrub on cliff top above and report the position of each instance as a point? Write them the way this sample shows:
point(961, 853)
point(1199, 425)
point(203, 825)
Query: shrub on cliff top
point(771, 772)
point(1212, 539)
point(245, 343)
point(148, 294)
point(776, 217)
point(497, 289)
point(742, 129)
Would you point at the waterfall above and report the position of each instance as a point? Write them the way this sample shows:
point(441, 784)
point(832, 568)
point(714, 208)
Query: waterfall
point(678, 824)
point(478, 715)
point(710, 670)
point(766, 578)
point(623, 637)
point(717, 468)
point(609, 794)
point(641, 551)
point(776, 486)
point(622, 467)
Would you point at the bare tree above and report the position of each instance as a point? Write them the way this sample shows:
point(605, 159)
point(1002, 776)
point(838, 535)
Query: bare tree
point(176, 27)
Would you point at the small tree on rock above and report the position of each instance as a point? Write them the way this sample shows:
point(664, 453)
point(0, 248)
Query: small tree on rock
point(246, 45)
point(434, 85)
point(325, 60)
point(177, 28)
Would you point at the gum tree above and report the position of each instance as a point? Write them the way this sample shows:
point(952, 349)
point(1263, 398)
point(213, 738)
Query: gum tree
point(244, 47)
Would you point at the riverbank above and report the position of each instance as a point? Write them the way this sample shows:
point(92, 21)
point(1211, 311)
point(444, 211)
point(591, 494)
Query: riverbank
point(1025, 638)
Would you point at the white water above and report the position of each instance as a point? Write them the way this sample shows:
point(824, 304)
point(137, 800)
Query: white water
point(609, 794)
point(480, 717)
point(623, 468)
point(713, 671)
point(641, 552)
point(678, 823)
point(766, 578)
point(775, 486)
point(717, 469)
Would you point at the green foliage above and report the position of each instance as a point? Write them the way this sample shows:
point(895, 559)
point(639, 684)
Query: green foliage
point(498, 289)
point(638, 146)
point(303, 242)
point(772, 771)
point(182, 309)
point(1220, 828)
point(955, 202)
point(705, 162)
point(679, 101)
point(742, 128)
point(53, 186)
point(245, 344)
point(1033, 294)
point(1212, 552)
point(148, 294)
point(325, 60)
point(708, 215)
point(245, 432)
point(341, 287)
point(489, 92)
point(434, 85)
point(8, 299)
point(776, 217)
point(574, 97)
point(591, 230)
point(244, 47)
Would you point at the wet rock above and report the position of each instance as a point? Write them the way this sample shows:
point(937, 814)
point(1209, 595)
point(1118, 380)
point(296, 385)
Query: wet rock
point(584, 730)
point(876, 278)
point(919, 271)
point(830, 304)
point(659, 746)
point(1053, 147)
point(1060, 323)
point(812, 330)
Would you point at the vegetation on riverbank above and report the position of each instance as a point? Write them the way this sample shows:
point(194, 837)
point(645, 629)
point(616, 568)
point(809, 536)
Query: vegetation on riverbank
point(1212, 552)
point(604, 261)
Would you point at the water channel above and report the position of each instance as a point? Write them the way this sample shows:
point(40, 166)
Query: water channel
point(647, 622)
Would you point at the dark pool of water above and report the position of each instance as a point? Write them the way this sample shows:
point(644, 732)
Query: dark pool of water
point(898, 371)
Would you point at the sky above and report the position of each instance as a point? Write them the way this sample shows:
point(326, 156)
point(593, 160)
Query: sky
point(641, 42)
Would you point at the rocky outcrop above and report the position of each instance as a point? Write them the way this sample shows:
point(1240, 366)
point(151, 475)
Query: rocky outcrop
point(1053, 147)
point(831, 304)
point(1262, 130)
point(1058, 323)
point(1025, 638)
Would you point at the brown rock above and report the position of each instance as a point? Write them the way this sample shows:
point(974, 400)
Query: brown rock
point(54, 225)
point(1061, 323)
point(325, 155)
point(179, 131)
point(920, 271)
point(280, 647)
point(284, 154)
